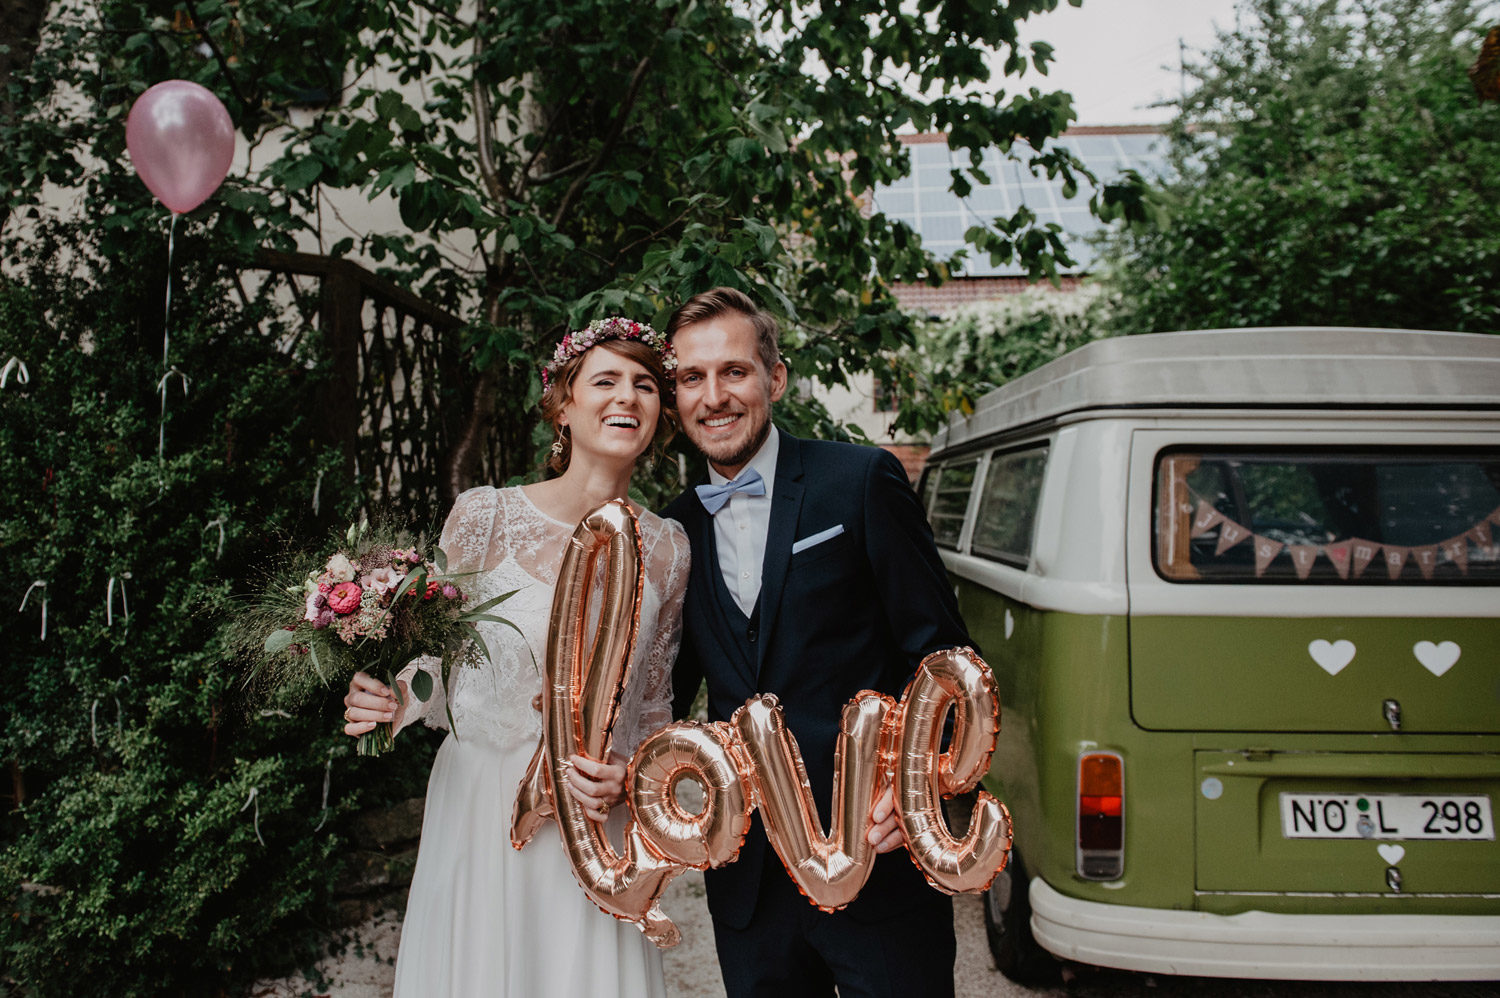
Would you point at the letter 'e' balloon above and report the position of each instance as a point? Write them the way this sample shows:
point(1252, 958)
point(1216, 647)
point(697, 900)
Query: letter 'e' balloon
point(181, 142)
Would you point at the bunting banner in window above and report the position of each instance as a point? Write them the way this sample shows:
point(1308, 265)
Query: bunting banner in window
point(1349, 557)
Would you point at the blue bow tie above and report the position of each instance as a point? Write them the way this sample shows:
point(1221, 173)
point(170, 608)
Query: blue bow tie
point(714, 497)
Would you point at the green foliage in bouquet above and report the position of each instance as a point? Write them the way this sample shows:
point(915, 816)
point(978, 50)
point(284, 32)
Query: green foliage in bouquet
point(133, 858)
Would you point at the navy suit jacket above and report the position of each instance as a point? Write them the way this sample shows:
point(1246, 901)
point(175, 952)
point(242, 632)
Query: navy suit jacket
point(855, 612)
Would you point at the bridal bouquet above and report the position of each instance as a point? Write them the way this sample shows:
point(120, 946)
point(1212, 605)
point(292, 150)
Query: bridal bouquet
point(378, 601)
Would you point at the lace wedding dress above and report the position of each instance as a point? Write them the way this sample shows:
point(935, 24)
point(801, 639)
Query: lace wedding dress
point(484, 919)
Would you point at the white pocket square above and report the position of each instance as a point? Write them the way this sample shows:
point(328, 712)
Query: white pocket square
point(818, 538)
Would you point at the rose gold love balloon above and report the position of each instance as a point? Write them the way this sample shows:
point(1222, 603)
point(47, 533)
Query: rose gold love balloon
point(579, 702)
point(828, 869)
point(752, 761)
point(925, 774)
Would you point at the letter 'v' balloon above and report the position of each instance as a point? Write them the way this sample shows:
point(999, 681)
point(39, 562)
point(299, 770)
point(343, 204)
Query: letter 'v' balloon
point(829, 869)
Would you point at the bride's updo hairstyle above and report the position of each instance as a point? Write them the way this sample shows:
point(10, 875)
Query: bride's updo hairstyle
point(559, 378)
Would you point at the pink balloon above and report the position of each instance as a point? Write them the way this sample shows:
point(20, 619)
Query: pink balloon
point(181, 141)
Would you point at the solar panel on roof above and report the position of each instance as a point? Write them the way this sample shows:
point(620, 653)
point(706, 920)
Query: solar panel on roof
point(925, 202)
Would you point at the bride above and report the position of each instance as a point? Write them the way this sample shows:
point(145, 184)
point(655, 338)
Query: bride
point(482, 918)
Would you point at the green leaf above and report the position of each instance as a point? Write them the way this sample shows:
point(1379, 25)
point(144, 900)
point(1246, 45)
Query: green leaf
point(487, 604)
point(416, 577)
point(421, 685)
point(279, 640)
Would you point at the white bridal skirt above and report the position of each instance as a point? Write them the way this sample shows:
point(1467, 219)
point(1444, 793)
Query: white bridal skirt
point(485, 920)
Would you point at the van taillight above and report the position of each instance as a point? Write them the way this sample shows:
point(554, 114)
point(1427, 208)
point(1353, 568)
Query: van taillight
point(1101, 816)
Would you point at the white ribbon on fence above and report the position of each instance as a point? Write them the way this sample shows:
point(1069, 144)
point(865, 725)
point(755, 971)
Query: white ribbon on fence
point(16, 364)
point(109, 601)
point(220, 524)
point(161, 429)
point(94, 720)
point(38, 584)
point(254, 791)
point(327, 777)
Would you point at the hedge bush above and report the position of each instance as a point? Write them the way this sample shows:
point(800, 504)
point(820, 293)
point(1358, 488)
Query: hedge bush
point(173, 836)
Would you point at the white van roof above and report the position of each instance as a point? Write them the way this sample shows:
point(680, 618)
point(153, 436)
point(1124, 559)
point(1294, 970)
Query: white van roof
point(1300, 366)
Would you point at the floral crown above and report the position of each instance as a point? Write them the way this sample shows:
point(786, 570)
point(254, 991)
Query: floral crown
point(613, 328)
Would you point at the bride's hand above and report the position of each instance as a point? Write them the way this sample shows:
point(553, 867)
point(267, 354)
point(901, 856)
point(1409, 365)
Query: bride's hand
point(368, 702)
point(598, 786)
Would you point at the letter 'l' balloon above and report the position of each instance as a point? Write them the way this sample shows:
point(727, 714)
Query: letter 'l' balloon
point(579, 702)
point(181, 142)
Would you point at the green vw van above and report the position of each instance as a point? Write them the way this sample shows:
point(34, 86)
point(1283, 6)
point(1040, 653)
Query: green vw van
point(1240, 590)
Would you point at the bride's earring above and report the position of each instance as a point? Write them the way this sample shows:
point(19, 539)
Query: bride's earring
point(557, 445)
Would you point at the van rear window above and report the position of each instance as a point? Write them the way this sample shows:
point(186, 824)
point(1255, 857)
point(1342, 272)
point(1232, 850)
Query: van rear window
point(1340, 517)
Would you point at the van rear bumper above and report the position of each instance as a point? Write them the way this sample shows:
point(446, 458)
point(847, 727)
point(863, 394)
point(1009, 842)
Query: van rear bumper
point(1259, 944)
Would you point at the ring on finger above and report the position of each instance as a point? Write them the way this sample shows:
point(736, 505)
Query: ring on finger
point(347, 718)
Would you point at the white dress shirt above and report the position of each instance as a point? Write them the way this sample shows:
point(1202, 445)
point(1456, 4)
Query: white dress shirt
point(740, 528)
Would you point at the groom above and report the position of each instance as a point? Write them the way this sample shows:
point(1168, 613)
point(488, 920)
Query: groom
point(814, 576)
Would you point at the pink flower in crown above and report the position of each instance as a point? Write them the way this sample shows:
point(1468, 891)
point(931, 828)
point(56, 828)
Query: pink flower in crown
point(345, 597)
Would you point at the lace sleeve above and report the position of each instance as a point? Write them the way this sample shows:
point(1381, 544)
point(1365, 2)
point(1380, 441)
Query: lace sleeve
point(465, 542)
point(656, 701)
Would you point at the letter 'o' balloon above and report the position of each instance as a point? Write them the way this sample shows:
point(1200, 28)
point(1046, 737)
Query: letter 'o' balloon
point(181, 142)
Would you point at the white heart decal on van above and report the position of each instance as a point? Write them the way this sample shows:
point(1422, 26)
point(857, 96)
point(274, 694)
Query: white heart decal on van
point(1436, 659)
point(1010, 623)
point(1331, 657)
point(1391, 853)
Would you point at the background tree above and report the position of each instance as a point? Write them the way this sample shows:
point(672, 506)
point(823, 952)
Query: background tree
point(1334, 167)
point(555, 161)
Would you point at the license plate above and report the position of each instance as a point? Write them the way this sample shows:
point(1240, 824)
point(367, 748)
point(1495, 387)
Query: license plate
point(1386, 816)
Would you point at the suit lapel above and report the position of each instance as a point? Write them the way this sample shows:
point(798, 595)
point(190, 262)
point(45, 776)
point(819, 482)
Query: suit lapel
point(786, 505)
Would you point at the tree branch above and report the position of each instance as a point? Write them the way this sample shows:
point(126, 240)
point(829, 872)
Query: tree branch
point(648, 238)
point(490, 176)
point(616, 129)
point(251, 110)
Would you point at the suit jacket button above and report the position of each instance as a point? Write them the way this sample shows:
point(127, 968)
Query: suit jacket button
point(751, 635)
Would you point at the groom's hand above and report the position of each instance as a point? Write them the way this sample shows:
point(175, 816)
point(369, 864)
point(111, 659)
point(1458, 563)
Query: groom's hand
point(598, 786)
point(885, 831)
